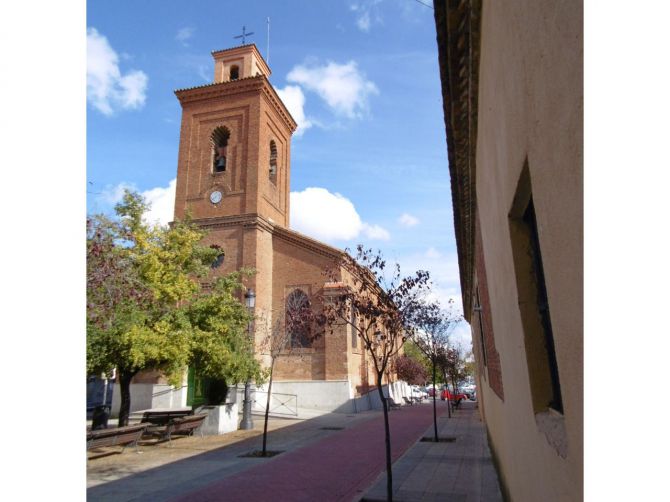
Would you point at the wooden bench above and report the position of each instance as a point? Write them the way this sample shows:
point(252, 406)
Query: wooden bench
point(163, 417)
point(179, 425)
point(118, 436)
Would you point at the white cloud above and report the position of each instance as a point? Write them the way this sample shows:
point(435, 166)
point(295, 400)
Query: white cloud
point(330, 217)
point(162, 203)
point(376, 232)
point(184, 34)
point(366, 13)
point(294, 99)
point(161, 200)
point(113, 194)
point(107, 89)
point(407, 220)
point(342, 86)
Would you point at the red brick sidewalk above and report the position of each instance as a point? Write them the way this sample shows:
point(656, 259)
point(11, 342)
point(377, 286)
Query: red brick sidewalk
point(338, 468)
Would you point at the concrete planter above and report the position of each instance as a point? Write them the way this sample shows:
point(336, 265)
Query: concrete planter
point(220, 419)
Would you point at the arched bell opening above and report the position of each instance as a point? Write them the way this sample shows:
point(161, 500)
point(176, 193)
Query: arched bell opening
point(220, 137)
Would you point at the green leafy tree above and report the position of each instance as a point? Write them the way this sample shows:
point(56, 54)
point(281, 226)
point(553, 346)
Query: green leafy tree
point(145, 306)
point(221, 347)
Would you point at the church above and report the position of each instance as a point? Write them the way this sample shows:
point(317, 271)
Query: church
point(233, 179)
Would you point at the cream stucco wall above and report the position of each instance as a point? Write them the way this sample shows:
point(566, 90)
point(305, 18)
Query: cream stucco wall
point(530, 108)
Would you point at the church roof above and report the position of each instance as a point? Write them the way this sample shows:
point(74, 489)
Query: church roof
point(213, 84)
point(236, 47)
point(308, 242)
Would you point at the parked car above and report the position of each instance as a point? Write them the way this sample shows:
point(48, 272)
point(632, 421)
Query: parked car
point(455, 398)
point(469, 390)
point(418, 392)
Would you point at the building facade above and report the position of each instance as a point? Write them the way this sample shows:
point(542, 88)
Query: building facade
point(512, 77)
point(233, 179)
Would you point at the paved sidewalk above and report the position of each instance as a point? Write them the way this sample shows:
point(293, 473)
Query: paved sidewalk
point(323, 464)
point(163, 471)
point(461, 471)
point(338, 468)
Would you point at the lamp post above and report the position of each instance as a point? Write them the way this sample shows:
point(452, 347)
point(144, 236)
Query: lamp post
point(247, 422)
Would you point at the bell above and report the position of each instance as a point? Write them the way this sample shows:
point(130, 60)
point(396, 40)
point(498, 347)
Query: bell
point(221, 164)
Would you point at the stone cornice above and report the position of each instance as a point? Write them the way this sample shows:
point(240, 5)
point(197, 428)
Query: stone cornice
point(308, 243)
point(228, 221)
point(458, 32)
point(272, 96)
point(217, 89)
point(256, 221)
point(259, 83)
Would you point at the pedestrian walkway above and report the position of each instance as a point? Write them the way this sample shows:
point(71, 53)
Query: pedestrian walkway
point(459, 471)
point(322, 462)
point(338, 468)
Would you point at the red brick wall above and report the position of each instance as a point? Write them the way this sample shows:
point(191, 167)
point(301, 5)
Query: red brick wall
point(492, 356)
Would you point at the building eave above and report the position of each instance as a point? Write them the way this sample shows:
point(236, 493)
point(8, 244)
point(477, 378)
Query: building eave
point(457, 24)
point(258, 83)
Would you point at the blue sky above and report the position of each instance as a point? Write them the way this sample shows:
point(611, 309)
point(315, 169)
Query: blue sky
point(369, 160)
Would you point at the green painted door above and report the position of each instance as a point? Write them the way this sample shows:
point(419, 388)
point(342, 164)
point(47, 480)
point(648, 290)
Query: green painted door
point(198, 388)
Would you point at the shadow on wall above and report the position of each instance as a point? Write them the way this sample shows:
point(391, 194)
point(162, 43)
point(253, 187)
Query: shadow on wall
point(290, 399)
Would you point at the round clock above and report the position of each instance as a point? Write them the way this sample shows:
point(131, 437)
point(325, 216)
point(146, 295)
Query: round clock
point(215, 197)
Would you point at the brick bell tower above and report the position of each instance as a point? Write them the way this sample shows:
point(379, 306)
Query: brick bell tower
point(233, 169)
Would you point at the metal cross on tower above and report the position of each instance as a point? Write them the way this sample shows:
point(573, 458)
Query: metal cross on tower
point(244, 34)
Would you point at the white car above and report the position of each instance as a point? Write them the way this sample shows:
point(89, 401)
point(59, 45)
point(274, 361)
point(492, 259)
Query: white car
point(469, 390)
point(418, 392)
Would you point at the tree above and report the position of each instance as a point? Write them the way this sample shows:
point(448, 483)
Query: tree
point(380, 311)
point(296, 327)
point(145, 306)
point(410, 370)
point(452, 365)
point(410, 349)
point(432, 339)
point(221, 347)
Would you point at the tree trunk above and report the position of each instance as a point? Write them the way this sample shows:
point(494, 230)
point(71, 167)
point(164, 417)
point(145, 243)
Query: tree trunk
point(434, 401)
point(124, 384)
point(387, 437)
point(267, 409)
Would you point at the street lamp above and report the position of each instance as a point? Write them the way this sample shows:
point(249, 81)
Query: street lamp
point(247, 422)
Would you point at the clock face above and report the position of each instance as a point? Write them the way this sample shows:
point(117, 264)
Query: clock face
point(215, 197)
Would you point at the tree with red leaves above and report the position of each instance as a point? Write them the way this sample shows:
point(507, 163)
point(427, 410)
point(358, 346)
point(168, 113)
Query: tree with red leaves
point(410, 370)
point(381, 308)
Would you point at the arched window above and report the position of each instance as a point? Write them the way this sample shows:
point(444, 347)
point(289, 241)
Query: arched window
point(220, 137)
point(298, 315)
point(219, 258)
point(234, 72)
point(273, 161)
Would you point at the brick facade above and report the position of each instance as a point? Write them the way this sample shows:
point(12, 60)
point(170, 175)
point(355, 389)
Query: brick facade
point(251, 222)
point(494, 371)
